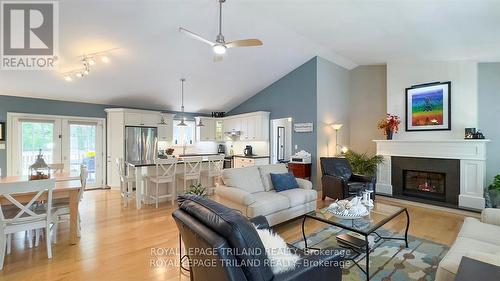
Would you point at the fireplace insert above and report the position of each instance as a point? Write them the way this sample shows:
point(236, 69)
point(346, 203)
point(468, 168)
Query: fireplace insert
point(428, 185)
point(428, 180)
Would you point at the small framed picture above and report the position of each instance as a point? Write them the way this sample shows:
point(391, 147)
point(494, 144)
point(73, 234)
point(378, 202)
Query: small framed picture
point(428, 107)
point(2, 131)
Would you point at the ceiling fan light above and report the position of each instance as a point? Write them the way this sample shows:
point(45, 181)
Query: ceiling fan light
point(219, 49)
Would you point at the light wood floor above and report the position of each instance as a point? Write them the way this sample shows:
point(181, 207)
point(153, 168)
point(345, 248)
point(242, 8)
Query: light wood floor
point(117, 241)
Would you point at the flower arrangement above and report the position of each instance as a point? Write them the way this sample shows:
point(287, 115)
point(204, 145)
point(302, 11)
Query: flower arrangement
point(390, 125)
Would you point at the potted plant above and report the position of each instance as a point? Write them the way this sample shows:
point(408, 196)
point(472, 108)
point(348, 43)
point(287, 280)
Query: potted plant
point(494, 190)
point(389, 125)
point(197, 189)
point(363, 164)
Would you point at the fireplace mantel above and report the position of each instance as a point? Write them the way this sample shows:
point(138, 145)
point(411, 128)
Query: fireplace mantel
point(471, 153)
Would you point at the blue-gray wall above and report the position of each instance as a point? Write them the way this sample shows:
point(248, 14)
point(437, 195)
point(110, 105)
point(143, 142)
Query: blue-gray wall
point(489, 114)
point(294, 95)
point(49, 107)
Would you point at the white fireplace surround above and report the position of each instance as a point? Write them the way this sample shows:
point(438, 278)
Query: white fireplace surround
point(471, 153)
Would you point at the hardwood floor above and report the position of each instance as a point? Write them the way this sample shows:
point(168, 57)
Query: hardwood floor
point(117, 242)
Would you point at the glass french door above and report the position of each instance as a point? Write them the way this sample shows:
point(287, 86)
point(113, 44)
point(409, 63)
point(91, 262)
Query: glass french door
point(83, 149)
point(38, 136)
point(70, 141)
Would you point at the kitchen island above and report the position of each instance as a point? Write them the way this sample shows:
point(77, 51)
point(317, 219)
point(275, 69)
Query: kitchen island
point(141, 171)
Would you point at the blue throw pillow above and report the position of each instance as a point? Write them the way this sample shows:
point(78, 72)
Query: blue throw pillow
point(282, 182)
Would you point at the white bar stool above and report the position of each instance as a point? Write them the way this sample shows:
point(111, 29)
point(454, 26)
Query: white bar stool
point(165, 174)
point(192, 170)
point(126, 182)
point(214, 171)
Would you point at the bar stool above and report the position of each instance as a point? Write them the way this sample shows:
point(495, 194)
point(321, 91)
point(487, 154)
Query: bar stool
point(126, 182)
point(165, 174)
point(192, 170)
point(215, 164)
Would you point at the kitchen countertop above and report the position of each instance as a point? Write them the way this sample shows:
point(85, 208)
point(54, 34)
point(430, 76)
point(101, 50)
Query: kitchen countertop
point(250, 156)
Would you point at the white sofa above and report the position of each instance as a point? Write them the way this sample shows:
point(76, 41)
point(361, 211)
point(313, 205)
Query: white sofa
point(251, 191)
point(478, 239)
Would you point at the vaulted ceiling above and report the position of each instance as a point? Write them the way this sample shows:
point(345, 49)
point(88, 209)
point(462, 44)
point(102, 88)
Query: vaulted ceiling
point(153, 55)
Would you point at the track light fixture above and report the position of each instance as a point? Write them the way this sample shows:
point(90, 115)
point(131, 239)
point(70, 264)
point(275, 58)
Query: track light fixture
point(88, 61)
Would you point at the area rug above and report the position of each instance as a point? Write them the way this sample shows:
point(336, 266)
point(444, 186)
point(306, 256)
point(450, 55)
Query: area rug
point(390, 261)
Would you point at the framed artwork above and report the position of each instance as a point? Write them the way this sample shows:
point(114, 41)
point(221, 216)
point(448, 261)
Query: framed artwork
point(428, 107)
point(2, 131)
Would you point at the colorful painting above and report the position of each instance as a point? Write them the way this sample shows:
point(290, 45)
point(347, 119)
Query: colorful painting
point(428, 107)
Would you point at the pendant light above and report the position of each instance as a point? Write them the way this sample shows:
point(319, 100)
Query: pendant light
point(182, 124)
point(200, 124)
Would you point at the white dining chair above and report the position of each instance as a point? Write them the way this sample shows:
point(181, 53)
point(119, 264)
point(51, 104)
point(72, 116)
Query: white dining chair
point(25, 218)
point(165, 174)
point(56, 168)
point(215, 164)
point(192, 170)
point(61, 206)
point(126, 181)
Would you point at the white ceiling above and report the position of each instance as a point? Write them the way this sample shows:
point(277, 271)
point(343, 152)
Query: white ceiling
point(153, 55)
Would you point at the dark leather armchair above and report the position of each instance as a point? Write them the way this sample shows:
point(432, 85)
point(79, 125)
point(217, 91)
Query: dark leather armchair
point(338, 180)
point(212, 232)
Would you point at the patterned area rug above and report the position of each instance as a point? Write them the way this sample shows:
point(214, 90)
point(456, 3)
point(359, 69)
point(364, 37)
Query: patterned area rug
point(390, 261)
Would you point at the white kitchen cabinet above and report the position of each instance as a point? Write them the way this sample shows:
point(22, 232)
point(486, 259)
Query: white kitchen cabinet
point(133, 118)
point(115, 145)
point(141, 118)
point(206, 132)
point(165, 131)
point(232, 124)
point(150, 119)
point(242, 162)
point(254, 126)
point(219, 130)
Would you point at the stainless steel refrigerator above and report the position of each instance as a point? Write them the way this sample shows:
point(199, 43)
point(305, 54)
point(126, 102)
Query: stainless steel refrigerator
point(140, 144)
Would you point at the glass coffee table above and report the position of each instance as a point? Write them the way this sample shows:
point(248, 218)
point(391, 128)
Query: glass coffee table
point(379, 215)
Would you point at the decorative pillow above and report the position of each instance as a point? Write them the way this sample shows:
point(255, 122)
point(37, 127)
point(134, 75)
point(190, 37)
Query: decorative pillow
point(280, 256)
point(282, 182)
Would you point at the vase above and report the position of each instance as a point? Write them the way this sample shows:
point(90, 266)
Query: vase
point(388, 134)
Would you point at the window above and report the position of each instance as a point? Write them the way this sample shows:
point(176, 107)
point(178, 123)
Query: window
point(184, 135)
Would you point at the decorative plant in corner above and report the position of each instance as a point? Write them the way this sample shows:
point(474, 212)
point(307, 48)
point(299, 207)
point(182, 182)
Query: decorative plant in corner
point(197, 189)
point(390, 125)
point(363, 164)
point(494, 191)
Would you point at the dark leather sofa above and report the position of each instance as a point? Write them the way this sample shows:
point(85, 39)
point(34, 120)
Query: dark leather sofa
point(239, 253)
point(338, 180)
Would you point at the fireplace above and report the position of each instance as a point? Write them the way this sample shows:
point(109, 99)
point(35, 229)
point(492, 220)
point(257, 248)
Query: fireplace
point(427, 185)
point(428, 180)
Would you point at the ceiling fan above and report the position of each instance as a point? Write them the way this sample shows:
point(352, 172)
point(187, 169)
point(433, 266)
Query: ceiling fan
point(220, 45)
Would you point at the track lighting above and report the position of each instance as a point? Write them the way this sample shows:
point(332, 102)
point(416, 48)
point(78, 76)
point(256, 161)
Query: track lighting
point(88, 61)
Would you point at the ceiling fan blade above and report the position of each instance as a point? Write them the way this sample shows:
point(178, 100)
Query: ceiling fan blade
point(195, 36)
point(218, 58)
point(244, 43)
